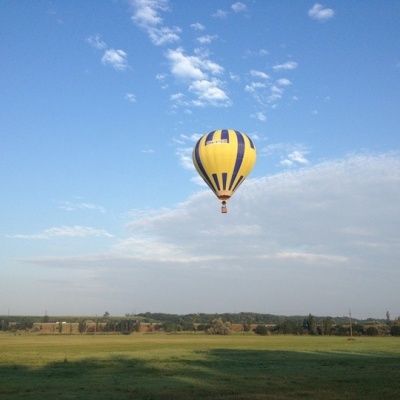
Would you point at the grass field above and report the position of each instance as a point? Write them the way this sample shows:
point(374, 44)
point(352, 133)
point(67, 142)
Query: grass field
point(161, 366)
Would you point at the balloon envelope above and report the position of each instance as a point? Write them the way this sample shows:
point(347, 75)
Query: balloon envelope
point(224, 158)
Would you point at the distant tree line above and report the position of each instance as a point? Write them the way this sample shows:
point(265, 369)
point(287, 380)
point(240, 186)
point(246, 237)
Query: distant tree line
point(262, 324)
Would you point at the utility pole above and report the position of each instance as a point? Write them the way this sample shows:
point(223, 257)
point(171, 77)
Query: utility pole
point(351, 324)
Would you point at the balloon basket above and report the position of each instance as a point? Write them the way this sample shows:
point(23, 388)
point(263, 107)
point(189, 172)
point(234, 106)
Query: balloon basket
point(224, 209)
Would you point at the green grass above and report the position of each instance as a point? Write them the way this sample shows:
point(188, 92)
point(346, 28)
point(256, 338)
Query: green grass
point(178, 367)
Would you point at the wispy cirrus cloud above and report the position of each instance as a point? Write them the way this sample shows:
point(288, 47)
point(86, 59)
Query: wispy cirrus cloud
point(147, 150)
point(321, 13)
point(65, 231)
point(73, 206)
point(266, 91)
point(261, 116)
point(96, 42)
point(289, 154)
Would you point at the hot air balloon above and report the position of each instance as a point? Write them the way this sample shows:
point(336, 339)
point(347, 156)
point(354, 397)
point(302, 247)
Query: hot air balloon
point(224, 158)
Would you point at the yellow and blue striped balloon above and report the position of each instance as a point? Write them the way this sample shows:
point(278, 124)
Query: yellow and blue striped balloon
point(224, 158)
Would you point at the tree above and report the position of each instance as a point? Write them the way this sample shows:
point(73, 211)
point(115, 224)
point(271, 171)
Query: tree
point(310, 324)
point(219, 327)
point(106, 314)
point(327, 325)
point(248, 321)
point(136, 326)
point(169, 326)
point(289, 326)
point(388, 318)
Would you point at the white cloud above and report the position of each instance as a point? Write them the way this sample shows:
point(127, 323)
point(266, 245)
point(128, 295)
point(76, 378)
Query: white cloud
point(276, 94)
point(209, 92)
point(198, 26)
point(253, 86)
point(234, 77)
point(285, 66)
point(65, 231)
point(328, 231)
point(164, 35)
point(146, 11)
point(264, 92)
point(238, 7)
point(283, 82)
point(70, 206)
point(260, 116)
point(292, 155)
point(130, 97)
point(183, 66)
point(297, 157)
point(195, 71)
point(259, 53)
point(259, 74)
point(177, 96)
point(146, 16)
point(206, 39)
point(212, 67)
point(147, 150)
point(185, 157)
point(116, 59)
point(221, 14)
point(320, 13)
point(96, 42)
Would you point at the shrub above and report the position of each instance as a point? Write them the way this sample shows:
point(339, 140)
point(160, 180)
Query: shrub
point(395, 330)
point(372, 331)
point(261, 330)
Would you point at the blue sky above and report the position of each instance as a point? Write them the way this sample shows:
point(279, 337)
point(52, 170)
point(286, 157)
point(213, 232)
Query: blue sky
point(101, 208)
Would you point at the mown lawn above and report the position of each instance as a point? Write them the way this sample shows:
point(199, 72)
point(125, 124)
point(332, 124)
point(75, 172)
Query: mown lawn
point(161, 366)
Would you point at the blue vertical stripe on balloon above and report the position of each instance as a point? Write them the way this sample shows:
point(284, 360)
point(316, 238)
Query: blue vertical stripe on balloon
point(225, 135)
point(224, 179)
point(209, 137)
point(200, 165)
point(215, 177)
point(238, 183)
point(251, 143)
point(239, 157)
